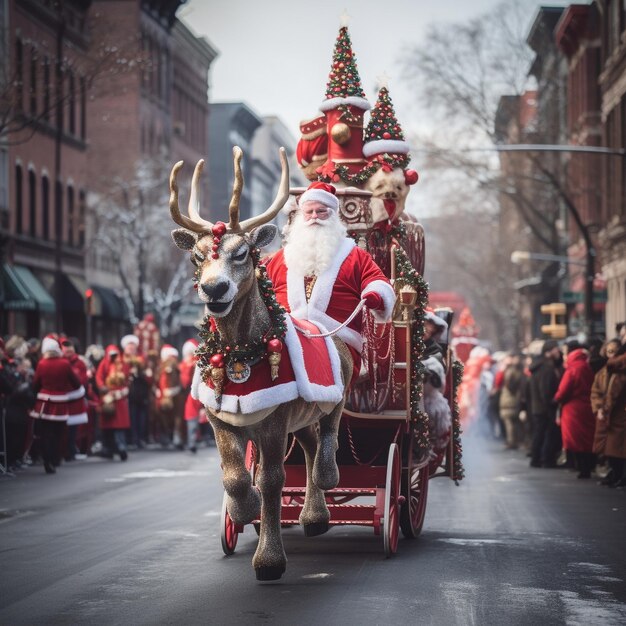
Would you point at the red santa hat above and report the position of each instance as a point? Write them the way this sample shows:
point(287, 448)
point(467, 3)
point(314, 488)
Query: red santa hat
point(168, 351)
point(189, 347)
point(128, 339)
point(321, 192)
point(50, 344)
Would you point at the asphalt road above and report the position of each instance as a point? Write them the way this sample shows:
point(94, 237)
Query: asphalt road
point(105, 542)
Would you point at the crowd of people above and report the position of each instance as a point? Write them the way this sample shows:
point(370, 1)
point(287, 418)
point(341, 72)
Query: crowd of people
point(59, 405)
point(564, 404)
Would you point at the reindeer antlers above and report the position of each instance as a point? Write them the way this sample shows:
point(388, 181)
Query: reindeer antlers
point(196, 224)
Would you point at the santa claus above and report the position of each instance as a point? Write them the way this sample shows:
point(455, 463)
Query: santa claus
point(322, 275)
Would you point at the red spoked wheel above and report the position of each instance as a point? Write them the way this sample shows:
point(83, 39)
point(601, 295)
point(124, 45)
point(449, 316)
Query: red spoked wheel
point(229, 531)
point(391, 523)
point(415, 492)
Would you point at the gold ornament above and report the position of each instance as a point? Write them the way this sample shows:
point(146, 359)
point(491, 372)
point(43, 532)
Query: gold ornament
point(274, 359)
point(340, 133)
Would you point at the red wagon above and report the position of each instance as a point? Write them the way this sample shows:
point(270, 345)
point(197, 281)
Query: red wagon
point(385, 456)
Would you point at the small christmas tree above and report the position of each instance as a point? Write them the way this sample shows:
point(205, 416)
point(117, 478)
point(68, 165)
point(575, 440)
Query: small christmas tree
point(344, 80)
point(384, 136)
point(383, 123)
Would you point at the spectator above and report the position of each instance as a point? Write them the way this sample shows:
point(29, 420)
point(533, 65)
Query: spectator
point(68, 347)
point(112, 381)
point(59, 395)
point(510, 401)
point(608, 400)
point(139, 390)
point(576, 419)
point(544, 382)
point(193, 408)
point(596, 359)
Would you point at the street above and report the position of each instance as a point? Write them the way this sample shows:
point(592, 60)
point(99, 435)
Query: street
point(106, 542)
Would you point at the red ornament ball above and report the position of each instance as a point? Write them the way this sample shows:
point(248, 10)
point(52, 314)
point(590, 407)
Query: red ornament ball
point(274, 345)
point(410, 177)
point(217, 360)
point(219, 229)
point(386, 135)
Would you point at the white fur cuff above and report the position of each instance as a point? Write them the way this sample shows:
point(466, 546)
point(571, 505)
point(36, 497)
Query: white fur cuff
point(387, 293)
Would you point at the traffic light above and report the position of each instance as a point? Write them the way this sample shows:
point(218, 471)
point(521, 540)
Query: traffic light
point(89, 301)
point(554, 329)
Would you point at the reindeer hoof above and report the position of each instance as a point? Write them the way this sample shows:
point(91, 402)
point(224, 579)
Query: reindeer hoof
point(270, 572)
point(316, 528)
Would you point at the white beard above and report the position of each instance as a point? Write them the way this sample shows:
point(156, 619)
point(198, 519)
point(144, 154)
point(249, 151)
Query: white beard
point(310, 249)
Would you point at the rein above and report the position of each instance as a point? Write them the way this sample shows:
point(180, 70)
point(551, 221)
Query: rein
point(330, 333)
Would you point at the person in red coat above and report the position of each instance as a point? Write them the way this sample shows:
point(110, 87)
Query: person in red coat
point(59, 396)
point(321, 275)
point(112, 380)
point(577, 418)
point(79, 366)
point(193, 411)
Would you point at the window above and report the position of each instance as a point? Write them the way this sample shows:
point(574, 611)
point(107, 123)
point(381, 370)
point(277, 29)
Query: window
point(19, 74)
point(83, 108)
point(32, 203)
point(72, 103)
point(45, 206)
point(33, 81)
point(58, 211)
point(46, 89)
point(82, 211)
point(71, 220)
point(18, 200)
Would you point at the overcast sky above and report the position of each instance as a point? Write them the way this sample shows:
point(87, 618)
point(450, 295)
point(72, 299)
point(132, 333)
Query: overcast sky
point(275, 56)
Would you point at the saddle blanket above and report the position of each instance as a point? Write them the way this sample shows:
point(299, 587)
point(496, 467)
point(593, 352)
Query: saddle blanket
point(309, 369)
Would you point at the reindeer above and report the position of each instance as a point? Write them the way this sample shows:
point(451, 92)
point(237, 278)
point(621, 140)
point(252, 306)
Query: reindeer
point(228, 287)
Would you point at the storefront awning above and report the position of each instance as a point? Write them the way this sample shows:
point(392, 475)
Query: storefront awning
point(23, 292)
point(112, 305)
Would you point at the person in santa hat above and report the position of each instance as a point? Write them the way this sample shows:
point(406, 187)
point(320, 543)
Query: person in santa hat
point(322, 275)
point(112, 380)
point(60, 395)
point(194, 411)
point(169, 398)
point(138, 390)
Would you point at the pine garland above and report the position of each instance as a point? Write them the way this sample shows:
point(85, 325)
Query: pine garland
point(386, 161)
point(406, 275)
point(458, 471)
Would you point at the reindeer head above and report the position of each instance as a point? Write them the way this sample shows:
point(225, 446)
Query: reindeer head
point(222, 252)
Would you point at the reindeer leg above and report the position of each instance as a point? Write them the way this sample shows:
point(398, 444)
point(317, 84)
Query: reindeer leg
point(269, 559)
point(315, 515)
point(325, 470)
point(243, 502)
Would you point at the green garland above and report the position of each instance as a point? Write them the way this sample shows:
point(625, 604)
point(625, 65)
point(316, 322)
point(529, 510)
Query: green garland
point(458, 472)
point(211, 341)
point(406, 275)
point(367, 171)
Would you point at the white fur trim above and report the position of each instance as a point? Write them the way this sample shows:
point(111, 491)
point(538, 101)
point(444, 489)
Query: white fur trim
point(50, 345)
point(391, 146)
point(273, 396)
point(433, 365)
point(128, 339)
point(48, 416)
point(333, 103)
point(76, 394)
point(387, 293)
point(79, 418)
point(167, 352)
point(319, 195)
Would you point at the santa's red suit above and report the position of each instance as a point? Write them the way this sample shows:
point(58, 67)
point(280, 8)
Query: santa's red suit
point(80, 369)
point(192, 406)
point(336, 293)
point(60, 394)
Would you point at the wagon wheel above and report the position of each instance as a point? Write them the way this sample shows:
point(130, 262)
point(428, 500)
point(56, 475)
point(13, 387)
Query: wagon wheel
point(391, 529)
point(415, 492)
point(229, 530)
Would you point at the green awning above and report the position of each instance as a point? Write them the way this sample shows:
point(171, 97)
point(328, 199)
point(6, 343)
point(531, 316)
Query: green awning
point(112, 306)
point(23, 292)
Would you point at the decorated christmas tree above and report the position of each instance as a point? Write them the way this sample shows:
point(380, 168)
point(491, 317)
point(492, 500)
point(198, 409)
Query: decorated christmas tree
point(383, 134)
point(344, 80)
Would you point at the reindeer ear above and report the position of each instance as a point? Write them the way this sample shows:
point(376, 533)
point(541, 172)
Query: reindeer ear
point(184, 239)
point(263, 235)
